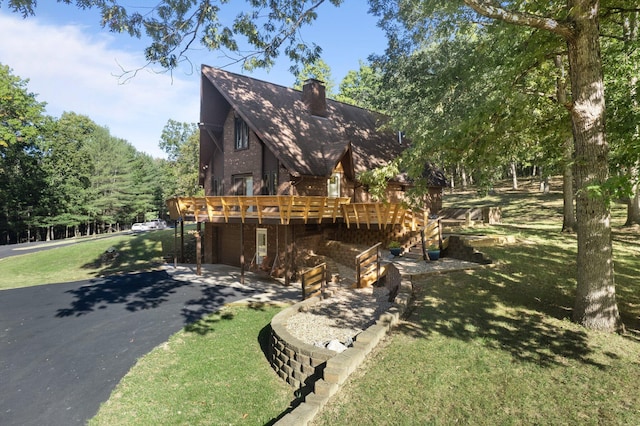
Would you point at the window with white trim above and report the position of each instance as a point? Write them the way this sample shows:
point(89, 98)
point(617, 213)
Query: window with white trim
point(333, 185)
point(261, 245)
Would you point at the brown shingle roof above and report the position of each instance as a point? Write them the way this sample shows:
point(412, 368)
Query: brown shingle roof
point(304, 143)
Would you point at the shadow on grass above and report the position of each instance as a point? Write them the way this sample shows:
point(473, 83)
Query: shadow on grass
point(141, 251)
point(526, 206)
point(207, 323)
point(517, 307)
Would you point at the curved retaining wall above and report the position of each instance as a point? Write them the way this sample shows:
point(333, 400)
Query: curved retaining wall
point(298, 363)
point(319, 372)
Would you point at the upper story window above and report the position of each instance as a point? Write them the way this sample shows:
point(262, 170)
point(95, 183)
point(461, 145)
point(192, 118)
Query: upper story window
point(242, 185)
point(270, 183)
point(217, 186)
point(242, 134)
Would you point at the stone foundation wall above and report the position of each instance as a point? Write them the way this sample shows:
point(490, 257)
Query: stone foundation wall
point(341, 253)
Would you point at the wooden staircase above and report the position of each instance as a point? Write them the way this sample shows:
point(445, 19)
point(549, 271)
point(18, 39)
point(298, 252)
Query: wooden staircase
point(347, 276)
point(427, 237)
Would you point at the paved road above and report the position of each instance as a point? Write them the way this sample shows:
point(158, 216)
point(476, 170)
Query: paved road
point(64, 347)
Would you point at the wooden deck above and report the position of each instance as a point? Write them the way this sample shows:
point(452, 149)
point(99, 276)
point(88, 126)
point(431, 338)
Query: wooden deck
point(286, 209)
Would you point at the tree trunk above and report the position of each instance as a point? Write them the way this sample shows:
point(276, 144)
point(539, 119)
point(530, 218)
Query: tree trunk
point(595, 305)
point(633, 205)
point(569, 212)
point(463, 178)
point(544, 181)
point(452, 182)
point(569, 215)
point(514, 176)
point(631, 27)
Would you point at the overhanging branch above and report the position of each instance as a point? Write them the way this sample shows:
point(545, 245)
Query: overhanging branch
point(492, 10)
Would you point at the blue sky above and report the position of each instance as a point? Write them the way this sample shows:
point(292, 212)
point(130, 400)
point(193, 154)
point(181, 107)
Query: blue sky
point(73, 65)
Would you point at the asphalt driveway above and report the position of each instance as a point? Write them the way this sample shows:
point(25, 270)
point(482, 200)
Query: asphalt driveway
point(64, 347)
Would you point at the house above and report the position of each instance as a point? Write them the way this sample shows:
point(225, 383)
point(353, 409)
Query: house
point(280, 172)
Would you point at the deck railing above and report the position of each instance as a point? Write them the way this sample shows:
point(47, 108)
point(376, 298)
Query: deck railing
point(368, 266)
point(284, 209)
point(389, 214)
point(314, 281)
point(281, 208)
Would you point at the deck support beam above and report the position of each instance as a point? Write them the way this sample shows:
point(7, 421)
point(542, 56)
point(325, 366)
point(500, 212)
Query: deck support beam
point(242, 253)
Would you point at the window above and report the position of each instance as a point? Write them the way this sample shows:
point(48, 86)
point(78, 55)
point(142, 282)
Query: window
point(333, 185)
point(261, 245)
point(243, 185)
point(217, 187)
point(270, 183)
point(242, 134)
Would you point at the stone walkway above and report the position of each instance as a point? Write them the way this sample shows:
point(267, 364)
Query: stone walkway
point(266, 289)
point(417, 267)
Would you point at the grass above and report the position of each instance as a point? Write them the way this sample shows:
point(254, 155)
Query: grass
point(489, 346)
point(496, 346)
point(212, 372)
point(87, 259)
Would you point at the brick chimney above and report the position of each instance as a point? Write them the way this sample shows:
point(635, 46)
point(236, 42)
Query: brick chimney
point(314, 97)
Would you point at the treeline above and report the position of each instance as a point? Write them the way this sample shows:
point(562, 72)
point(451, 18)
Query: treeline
point(68, 176)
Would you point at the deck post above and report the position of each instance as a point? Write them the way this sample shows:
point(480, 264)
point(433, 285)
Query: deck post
point(175, 245)
point(181, 240)
point(242, 253)
point(198, 250)
point(287, 277)
point(425, 257)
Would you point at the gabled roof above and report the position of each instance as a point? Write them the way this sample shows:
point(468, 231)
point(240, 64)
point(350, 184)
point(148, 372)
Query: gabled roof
point(304, 143)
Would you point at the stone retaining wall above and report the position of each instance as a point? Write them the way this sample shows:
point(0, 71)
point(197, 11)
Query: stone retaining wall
point(291, 355)
point(296, 362)
point(459, 248)
point(469, 215)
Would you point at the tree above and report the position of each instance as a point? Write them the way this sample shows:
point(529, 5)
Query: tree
point(576, 23)
point(361, 87)
point(113, 189)
point(318, 70)
point(622, 65)
point(181, 142)
point(477, 101)
point(21, 121)
point(256, 36)
point(148, 188)
point(67, 170)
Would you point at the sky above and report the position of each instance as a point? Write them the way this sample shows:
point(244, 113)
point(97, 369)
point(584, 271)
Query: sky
point(74, 65)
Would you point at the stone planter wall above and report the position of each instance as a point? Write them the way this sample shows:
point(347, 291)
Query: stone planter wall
point(459, 248)
point(298, 363)
point(330, 373)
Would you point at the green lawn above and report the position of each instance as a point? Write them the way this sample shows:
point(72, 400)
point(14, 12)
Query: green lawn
point(86, 259)
point(496, 346)
point(211, 373)
point(489, 346)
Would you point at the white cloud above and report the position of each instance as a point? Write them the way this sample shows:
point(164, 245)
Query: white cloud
point(72, 69)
